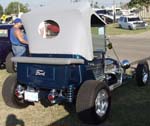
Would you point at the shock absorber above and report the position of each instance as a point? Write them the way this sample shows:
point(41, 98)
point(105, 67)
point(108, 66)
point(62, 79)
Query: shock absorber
point(70, 94)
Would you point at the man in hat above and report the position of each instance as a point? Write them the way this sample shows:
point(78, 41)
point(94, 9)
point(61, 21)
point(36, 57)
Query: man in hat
point(18, 39)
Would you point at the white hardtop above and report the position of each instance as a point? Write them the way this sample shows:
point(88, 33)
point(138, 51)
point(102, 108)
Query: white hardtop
point(74, 20)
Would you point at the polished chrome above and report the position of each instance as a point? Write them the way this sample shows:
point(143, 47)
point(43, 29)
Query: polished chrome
point(125, 64)
point(145, 76)
point(101, 103)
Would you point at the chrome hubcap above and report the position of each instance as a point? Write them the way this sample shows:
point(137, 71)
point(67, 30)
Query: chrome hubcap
point(101, 103)
point(145, 76)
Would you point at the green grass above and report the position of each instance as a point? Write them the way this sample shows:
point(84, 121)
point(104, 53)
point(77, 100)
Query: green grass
point(130, 107)
point(113, 29)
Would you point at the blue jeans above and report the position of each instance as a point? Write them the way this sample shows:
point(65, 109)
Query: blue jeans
point(19, 50)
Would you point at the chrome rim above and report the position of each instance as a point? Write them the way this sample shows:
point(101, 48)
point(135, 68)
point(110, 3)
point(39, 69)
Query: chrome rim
point(101, 103)
point(145, 76)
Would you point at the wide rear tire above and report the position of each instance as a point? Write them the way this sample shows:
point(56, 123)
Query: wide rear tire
point(93, 102)
point(8, 93)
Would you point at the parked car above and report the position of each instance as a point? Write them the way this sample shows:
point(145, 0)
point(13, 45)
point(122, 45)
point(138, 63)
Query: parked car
point(68, 64)
point(5, 48)
point(131, 22)
point(5, 44)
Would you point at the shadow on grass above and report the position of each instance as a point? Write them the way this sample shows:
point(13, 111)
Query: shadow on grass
point(130, 107)
point(13, 121)
point(72, 119)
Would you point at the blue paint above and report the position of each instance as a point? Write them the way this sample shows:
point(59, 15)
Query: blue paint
point(54, 77)
point(47, 77)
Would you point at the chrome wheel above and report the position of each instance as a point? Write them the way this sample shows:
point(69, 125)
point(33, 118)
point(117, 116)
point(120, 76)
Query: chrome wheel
point(142, 74)
point(145, 76)
point(101, 103)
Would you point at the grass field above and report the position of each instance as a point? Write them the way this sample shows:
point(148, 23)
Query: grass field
point(113, 29)
point(130, 107)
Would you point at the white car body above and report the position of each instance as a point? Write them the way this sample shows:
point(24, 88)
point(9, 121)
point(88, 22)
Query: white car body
point(131, 22)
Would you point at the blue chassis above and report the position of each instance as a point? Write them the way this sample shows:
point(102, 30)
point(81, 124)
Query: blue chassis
point(59, 76)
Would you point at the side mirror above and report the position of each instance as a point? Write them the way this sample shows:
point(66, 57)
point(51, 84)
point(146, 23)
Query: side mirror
point(125, 64)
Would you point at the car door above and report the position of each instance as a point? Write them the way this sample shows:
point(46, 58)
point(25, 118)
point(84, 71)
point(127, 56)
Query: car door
point(125, 22)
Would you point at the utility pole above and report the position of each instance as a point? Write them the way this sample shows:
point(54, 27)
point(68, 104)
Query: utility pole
point(18, 7)
point(114, 11)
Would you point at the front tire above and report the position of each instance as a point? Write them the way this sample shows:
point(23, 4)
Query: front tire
point(9, 64)
point(142, 74)
point(93, 102)
point(8, 93)
point(120, 26)
point(130, 28)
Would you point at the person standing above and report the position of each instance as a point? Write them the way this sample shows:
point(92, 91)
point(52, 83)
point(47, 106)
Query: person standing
point(18, 39)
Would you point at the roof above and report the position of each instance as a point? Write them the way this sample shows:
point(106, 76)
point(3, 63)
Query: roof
point(74, 25)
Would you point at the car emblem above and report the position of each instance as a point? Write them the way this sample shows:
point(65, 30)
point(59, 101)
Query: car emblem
point(40, 73)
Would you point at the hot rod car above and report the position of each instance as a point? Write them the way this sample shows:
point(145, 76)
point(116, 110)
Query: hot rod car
point(68, 62)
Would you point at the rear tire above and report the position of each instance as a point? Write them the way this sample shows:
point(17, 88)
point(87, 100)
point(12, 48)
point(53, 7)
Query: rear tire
point(93, 102)
point(142, 74)
point(9, 63)
point(8, 93)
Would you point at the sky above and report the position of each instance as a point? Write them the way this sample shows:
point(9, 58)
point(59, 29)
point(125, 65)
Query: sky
point(36, 3)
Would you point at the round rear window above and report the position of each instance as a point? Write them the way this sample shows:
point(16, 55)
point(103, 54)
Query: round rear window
point(48, 29)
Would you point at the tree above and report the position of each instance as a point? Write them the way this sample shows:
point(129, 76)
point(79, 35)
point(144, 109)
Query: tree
point(16, 7)
point(1, 10)
point(146, 3)
point(140, 3)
